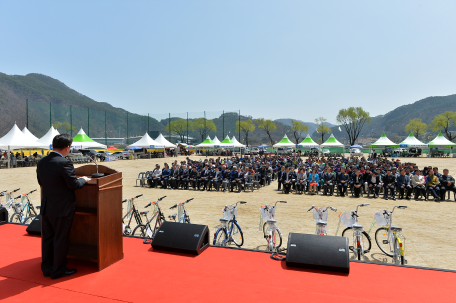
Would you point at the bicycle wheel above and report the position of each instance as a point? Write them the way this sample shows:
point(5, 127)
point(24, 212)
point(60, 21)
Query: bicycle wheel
point(383, 242)
point(15, 218)
point(348, 232)
point(29, 220)
point(397, 257)
point(277, 238)
point(139, 231)
point(236, 234)
point(220, 237)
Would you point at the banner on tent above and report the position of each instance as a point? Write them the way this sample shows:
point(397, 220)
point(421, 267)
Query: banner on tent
point(157, 146)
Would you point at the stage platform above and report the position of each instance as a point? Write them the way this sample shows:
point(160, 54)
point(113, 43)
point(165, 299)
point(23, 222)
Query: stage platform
point(217, 275)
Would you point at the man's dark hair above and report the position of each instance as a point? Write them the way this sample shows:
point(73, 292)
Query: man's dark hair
point(62, 141)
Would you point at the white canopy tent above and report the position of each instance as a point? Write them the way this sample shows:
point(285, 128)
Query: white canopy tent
point(147, 142)
point(285, 142)
point(216, 140)
point(236, 142)
point(412, 141)
point(227, 143)
point(440, 140)
point(29, 135)
point(46, 140)
point(308, 142)
point(162, 141)
point(332, 142)
point(15, 139)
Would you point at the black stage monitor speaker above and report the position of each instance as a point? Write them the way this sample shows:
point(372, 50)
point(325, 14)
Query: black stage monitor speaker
point(181, 237)
point(318, 252)
point(35, 227)
point(3, 215)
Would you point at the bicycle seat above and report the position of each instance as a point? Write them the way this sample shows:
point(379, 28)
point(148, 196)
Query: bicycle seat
point(38, 207)
point(271, 221)
point(173, 216)
point(223, 220)
point(144, 212)
point(320, 222)
point(17, 204)
point(396, 228)
point(357, 226)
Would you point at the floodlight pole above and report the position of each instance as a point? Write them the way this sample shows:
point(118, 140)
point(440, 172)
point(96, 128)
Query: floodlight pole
point(88, 123)
point(50, 114)
point(187, 128)
point(223, 136)
point(205, 129)
point(26, 104)
point(239, 126)
point(148, 123)
point(71, 120)
point(106, 132)
point(127, 128)
point(169, 127)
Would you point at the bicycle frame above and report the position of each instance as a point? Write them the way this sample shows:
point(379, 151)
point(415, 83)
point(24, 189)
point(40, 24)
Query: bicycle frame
point(358, 232)
point(320, 224)
point(229, 229)
point(184, 217)
point(271, 227)
point(394, 236)
point(134, 213)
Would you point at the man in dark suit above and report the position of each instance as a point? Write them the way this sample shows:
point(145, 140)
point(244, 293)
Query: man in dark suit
point(58, 182)
point(389, 184)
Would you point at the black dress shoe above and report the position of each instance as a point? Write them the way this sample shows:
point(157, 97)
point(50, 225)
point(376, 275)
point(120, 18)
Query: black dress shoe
point(46, 275)
point(66, 273)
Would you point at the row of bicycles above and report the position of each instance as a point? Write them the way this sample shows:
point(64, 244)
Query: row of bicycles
point(21, 207)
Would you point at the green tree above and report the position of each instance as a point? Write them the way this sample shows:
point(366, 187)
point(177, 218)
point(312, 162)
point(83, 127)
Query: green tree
point(416, 126)
point(178, 127)
point(353, 120)
point(298, 128)
point(444, 122)
point(63, 127)
point(268, 126)
point(203, 127)
point(322, 127)
point(246, 127)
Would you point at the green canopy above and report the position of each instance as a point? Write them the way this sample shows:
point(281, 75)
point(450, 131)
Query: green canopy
point(384, 141)
point(81, 140)
point(308, 142)
point(440, 140)
point(285, 142)
point(208, 143)
point(332, 142)
point(227, 143)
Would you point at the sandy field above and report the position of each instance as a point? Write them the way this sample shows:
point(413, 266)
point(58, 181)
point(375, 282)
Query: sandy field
point(427, 226)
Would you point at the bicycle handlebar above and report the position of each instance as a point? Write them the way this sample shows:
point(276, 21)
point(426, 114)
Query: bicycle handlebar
point(123, 201)
point(174, 206)
point(148, 205)
point(138, 196)
point(32, 192)
point(242, 202)
point(15, 190)
point(159, 199)
point(18, 197)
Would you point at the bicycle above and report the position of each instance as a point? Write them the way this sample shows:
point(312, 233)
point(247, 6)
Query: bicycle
point(181, 212)
point(320, 215)
point(132, 212)
point(360, 238)
point(145, 230)
point(388, 237)
point(25, 214)
point(271, 231)
point(8, 200)
point(229, 229)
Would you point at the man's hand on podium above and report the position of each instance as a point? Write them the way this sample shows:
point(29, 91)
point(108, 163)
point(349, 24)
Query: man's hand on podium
point(85, 179)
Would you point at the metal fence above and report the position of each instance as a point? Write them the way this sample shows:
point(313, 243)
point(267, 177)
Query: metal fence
point(187, 127)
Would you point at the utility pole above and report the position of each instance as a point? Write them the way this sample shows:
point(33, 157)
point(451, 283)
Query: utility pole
point(106, 132)
point(127, 128)
point(50, 114)
point(187, 128)
point(88, 123)
point(148, 123)
point(71, 120)
point(223, 136)
point(205, 129)
point(169, 127)
point(239, 125)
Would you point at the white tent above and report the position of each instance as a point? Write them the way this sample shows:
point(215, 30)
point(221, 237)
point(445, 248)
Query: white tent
point(285, 142)
point(236, 142)
point(15, 139)
point(227, 143)
point(46, 140)
point(440, 140)
point(308, 142)
point(411, 141)
point(147, 142)
point(162, 141)
point(384, 141)
point(332, 142)
point(216, 140)
point(29, 135)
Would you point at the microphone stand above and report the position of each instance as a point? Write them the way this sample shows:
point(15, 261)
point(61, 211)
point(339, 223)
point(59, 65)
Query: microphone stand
point(97, 174)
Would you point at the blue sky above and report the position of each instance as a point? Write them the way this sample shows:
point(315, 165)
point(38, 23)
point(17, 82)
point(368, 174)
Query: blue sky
point(273, 59)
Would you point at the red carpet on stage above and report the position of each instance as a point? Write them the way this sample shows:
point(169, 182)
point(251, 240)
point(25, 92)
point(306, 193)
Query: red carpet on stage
point(217, 275)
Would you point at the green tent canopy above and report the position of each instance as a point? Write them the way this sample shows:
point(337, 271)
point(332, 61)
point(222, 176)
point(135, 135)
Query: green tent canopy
point(440, 140)
point(208, 143)
point(81, 140)
point(227, 143)
point(285, 142)
point(332, 142)
point(308, 142)
point(384, 141)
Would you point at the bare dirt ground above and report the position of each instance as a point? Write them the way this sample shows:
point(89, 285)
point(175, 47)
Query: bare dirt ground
point(427, 226)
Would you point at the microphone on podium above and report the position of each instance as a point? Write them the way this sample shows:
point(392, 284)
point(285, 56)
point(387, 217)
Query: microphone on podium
point(97, 174)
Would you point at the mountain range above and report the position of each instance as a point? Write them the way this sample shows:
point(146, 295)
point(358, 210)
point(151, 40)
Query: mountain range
point(50, 101)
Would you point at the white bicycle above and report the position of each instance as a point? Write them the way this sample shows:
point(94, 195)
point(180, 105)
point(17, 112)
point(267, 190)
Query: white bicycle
point(271, 231)
point(320, 216)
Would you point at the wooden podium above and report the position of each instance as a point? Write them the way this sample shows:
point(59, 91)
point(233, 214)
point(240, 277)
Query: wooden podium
point(96, 233)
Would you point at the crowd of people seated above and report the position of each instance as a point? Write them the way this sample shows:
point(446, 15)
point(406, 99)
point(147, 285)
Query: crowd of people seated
point(314, 175)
